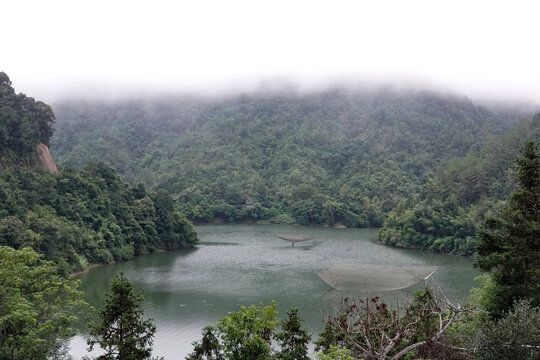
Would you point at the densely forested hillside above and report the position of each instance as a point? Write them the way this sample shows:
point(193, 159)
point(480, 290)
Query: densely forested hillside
point(334, 156)
point(444, 217)
point(24, 123)
point(91, 216)
point(74, 217)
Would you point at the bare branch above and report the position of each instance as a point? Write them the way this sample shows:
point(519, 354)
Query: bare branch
point(418, 344)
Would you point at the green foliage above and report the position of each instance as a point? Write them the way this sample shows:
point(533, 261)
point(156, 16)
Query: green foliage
point(329, 336)
point(37, 306)
point(336, 353)
point(24, 123)
point(208, 348)
point(335, 156)
point(435, 223)
point(90, 216)
point(246, 334)
point(509, 243)
point(122, 334)
point(293, 339)
point(74, 218)
point(515, 336)
point(242, 335)
point(445, 215)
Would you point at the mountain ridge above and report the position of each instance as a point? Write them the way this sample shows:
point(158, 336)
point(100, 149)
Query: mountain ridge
point(324, 157)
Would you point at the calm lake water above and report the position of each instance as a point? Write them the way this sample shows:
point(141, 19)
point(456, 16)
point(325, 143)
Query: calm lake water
point(238, 265)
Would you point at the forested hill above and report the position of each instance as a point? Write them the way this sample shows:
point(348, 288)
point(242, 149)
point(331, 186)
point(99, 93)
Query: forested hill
point(333, 156)
point(25, 129)
point(74, 217)
point(445, 216)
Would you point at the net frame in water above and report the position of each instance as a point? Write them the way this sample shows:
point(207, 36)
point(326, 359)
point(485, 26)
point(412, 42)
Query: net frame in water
point(294, 238)
point(351, 276)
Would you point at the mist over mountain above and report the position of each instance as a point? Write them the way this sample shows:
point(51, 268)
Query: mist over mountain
point(73, 218)
point(342, 155)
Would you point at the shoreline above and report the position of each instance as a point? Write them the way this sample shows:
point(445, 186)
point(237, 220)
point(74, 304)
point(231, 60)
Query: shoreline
point(88, 269)
point(94, 266)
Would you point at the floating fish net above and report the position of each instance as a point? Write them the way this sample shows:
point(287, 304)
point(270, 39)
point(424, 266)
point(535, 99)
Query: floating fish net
point(294, 238)
point(365, 277)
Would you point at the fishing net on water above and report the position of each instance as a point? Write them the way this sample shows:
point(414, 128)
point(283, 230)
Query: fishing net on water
point(294, 238)
point(349, 276)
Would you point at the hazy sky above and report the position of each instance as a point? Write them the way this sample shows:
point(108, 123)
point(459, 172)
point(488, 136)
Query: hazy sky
point(52, 48)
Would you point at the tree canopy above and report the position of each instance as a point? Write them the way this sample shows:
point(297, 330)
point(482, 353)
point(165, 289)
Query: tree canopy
point(37, 306)
point(293, 340)
point(245, 334)
point(123, 333)
point(24, 123)
point(509, 244)
point(334, 156)
point(74, 218)
point(445, 216)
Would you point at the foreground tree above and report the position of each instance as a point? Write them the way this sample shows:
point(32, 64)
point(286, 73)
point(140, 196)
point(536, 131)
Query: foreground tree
point(246, 334)
point(242, 335)
point(123, 334)
point(509, 245)
point(335, 353)
point(516, 336)
point(37, 306)
point(371, 330)
point(294, 339)
point(208, 348)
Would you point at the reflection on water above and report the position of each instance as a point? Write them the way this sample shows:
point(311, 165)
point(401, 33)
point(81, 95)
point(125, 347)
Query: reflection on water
point(238, 265)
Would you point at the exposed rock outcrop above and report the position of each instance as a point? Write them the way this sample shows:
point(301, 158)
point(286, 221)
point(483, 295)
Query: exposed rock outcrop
point(46, 158)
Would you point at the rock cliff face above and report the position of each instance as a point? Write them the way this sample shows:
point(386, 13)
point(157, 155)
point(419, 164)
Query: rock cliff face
point(46, 159)
point(41, 158)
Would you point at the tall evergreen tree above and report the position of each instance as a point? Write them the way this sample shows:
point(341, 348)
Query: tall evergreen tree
point(294, 339)
point(208, 348)
point(509, 244)
point(123, 334)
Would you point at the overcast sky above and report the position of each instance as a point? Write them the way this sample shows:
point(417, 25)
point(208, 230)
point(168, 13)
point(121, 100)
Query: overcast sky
point(55, 48)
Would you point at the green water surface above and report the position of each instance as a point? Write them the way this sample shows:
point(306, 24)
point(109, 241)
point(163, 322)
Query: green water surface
point(238, 265)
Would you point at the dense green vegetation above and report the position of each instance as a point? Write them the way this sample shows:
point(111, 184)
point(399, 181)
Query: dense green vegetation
point(74, 218)
point(122, 332)
point(509, 244)
point(24, 123)
point(248, 334)
point(335, 156)
point(37, 306)
point(330, 157)
point(515, 336)
point(445, 215)
point(430, 327)
point(91, 216)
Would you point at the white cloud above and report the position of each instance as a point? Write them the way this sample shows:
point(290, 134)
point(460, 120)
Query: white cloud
point(476, 47)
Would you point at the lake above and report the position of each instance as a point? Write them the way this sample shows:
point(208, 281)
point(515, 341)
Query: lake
point(241, 264)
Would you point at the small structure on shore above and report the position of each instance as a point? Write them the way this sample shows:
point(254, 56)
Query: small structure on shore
point(294, 238)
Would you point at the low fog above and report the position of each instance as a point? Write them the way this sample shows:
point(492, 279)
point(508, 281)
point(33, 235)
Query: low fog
point(484, 50)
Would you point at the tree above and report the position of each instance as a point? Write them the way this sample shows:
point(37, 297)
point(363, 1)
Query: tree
point(246, 334)
point(123, 334)
point(372, 330)
point(293, 339)
point(335, 353)
point(24, 122)
point(509, 245)
point(208, 348)
point(37, 306)
point(516, 336)
point(242, 335)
